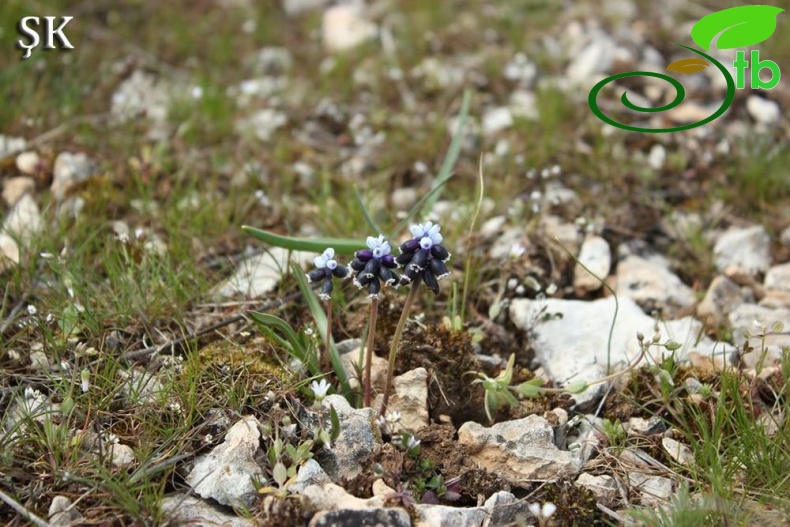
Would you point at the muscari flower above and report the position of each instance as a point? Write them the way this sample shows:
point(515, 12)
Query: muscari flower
point(325, 268)
point(424, 257)
point(374, 265)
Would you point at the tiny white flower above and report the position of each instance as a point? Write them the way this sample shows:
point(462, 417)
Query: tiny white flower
point(393, 417)
point(320, 388)
point(85, 376)
point(542, 513)
point(551, 289)
point(209, 439)
point(517, 250)
point(47, 256)
point(139, 233)
point(412, 443)
point(31, 309)
point(196, 92)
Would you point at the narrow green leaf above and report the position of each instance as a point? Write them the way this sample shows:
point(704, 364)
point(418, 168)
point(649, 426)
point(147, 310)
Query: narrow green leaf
point(335, 421)
point(366, 212)
point(269, 323)
point(320, 320)
point(738, 26)
point(446, 171)
point(344, 246)
point(531, 388)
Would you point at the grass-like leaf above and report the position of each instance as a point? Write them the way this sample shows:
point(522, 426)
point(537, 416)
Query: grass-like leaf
point(270, 324)
point(446, 171)
point(320, 321)
point(365, 212)
point(344, 246)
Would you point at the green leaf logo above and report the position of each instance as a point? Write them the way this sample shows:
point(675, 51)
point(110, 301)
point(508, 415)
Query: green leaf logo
point(687, 66)
point(736, 27)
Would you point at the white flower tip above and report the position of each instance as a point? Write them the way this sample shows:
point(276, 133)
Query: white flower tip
point(548, 509)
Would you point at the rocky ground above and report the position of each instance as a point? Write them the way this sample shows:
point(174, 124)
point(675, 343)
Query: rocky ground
point(611, 346)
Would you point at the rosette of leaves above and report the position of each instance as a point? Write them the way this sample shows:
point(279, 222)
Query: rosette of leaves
point(423, 257)
point(374, 266)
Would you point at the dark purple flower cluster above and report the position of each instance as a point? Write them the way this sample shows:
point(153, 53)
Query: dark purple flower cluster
point(325, 268)
point(423, 257)
point(374, 265)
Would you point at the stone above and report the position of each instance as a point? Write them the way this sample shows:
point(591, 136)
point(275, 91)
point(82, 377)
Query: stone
point(596, 255)
point(762, 110)
point(225, 474)
point(440, 515)
point(650, 283)
point(403, 199)
point(566, 233)
point(380, 517)
point(595, 58)
point(310, 473)
point(348, 455)
point(520, 69)
point(657, 157)
point(39, 361)
point(524, 105)
point(604, 488)
point(122, 455)
point(722, 296)
point(259, 274)
point(331, 497)
point(690, 112)
point(743, 318)
point(62, 513)
point(9, 252)
point(645, 427)
point(504, 243)
point(492, 226)
point(70, 170)
point(16, 187)
point(262, 124)
point(11, 145)
point(343, 28)
point(785, 237)
point(679, 452)
point(297, 7)
point(411, 399)
point(502, 509)
point(143, 95)
point(352, 362)
point(778, 278)
point(520, 450)
point(654, 490)
point(497, 119)
point(28, 163)
point(574, 347)
point(189, 510)
point(436, 74)
point(745, 248)
point(24, 220)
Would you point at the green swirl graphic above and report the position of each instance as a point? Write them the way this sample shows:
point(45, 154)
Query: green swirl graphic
point(679, 95)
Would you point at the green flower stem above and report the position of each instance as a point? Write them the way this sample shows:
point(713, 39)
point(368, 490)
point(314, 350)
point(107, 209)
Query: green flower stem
point(374, 309)
point(396, 342)
point(326, 365)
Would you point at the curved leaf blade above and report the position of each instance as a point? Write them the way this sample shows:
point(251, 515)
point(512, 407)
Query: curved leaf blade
point(688, 66)
point(343, 246)
point(736, 27)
